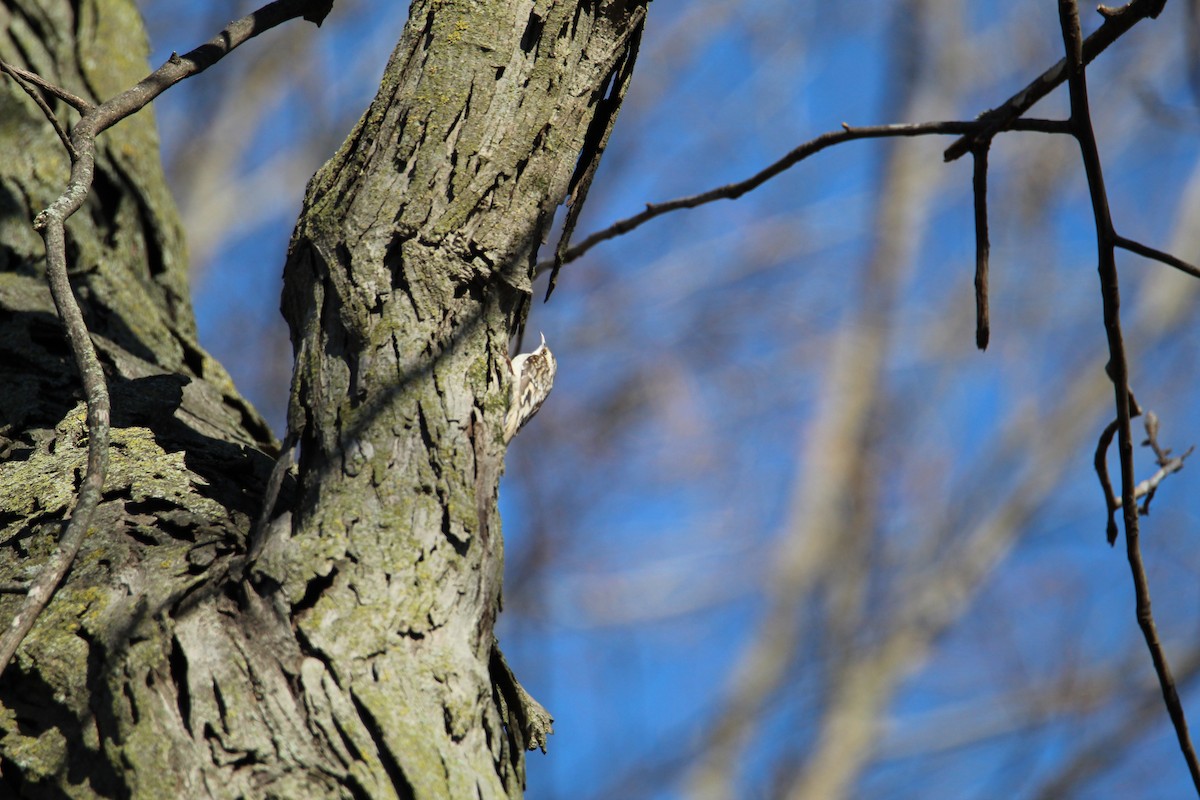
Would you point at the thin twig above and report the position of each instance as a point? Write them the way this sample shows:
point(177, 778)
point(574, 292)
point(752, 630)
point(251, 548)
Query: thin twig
point(75, 101)
point(96, 390)
point(19, 75)
point(983, 325)
point(732, 191)
point(50, 223)
point(1156, 255)
point(1007, 116)
point(1111, 501)
point(1106, 242)
point(177, 68)
point(1149, 486)
point(1167, 465)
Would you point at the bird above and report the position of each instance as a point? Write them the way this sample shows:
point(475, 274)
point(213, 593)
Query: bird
point(532, 380)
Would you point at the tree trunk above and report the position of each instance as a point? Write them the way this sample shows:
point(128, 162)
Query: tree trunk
point(353, 655)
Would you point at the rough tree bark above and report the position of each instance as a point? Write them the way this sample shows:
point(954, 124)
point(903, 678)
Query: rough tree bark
point(355, 657)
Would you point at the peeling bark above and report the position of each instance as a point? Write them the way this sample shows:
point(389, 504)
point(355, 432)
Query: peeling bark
point(355, 657)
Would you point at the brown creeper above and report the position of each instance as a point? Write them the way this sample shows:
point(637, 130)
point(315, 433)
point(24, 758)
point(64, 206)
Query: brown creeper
point(532, 380)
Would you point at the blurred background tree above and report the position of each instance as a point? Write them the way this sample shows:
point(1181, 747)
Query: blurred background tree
point(781, 530)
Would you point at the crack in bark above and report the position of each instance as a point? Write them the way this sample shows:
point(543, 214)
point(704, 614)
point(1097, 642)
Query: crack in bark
point(392, 767)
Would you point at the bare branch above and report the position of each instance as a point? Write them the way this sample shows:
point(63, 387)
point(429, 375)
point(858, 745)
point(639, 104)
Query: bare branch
point(1118, 370)
point(1000, 118)
point(1146, 488)
point(96, 390)
point(982, 246)
point(24, 76)
point(23, 80)
point(1111, 501)
point(1166, 464)
point(1156, 255)
point(178, 68)
point(732, 191)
